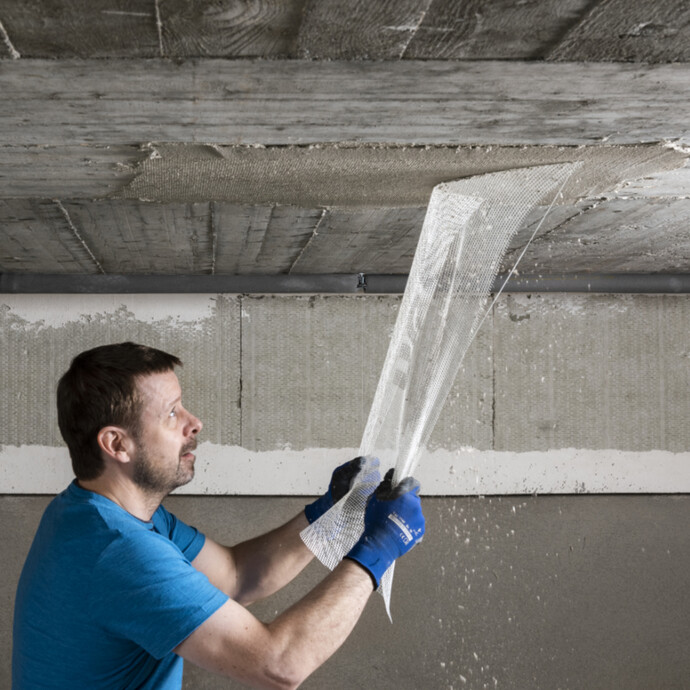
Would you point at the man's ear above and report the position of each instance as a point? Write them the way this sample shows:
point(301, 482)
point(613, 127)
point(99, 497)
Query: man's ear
point(116, 443)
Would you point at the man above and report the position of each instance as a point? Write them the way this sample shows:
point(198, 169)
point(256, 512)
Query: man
point(116, 591)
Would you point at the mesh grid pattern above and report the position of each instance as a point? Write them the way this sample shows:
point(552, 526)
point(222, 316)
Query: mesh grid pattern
point(467, 229)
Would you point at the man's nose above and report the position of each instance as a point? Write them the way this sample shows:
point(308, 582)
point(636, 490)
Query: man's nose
point(194, 424)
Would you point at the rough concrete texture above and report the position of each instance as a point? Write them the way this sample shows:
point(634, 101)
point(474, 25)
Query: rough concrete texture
point(328, 29)
point(629, 31)
point(547, 372)
point(607, 236)
point(84, 171)
point(371, 176)
point(634, 213)
point(498, 30)
point(312, 382)
point(591, 371)
point(39, 339)
point(286, 102)
point(219, 238)
point(512, 592)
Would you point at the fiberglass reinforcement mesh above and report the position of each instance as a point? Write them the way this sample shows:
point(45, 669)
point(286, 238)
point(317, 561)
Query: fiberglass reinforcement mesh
point(468, 226)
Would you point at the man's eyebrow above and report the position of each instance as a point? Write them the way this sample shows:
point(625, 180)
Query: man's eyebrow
point(173, 402)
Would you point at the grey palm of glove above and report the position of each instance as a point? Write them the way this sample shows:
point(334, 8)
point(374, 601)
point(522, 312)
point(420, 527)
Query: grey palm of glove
point(341, 482)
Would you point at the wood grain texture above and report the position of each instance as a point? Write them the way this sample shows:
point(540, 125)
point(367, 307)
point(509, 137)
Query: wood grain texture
point(588, 30)
point(286, 102)
point(616, 30)
point(115, 236)
point(260, 239)
point(81, 28)
point(131, 237)
point(502, 29)
point(613, 236)
point(362, 29)
point(226, 28)
point(104, 236)
point(66, 172)
point(369, 241)
point(36, 237)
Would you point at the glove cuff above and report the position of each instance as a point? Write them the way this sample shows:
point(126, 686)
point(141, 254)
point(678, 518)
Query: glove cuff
point(365, 569)
point(315, 510)
point(372, 558)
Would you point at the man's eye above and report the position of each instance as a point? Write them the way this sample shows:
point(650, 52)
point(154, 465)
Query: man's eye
point(173, 413)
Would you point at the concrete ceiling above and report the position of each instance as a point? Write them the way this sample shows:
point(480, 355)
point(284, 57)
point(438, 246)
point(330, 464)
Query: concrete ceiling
point(223, 138)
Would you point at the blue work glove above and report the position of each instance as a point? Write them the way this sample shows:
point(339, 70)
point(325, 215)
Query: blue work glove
point(393, 524)
point(341, 482)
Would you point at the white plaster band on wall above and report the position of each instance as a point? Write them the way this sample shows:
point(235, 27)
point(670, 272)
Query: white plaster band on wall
point(232, 470)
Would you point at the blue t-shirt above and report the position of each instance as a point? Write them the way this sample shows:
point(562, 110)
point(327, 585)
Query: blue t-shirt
point(104, 597)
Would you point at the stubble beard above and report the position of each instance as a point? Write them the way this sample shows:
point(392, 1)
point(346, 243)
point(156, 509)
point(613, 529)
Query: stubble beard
point(156, 480)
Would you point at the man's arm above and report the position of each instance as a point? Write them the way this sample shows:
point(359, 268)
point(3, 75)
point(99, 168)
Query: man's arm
point(261, 566)
point(283, 653)
point(258, 567)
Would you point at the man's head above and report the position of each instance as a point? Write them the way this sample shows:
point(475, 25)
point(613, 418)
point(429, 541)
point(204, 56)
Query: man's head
point(101, 388)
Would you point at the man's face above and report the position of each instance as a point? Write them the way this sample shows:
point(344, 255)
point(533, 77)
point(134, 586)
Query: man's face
point(164, 459)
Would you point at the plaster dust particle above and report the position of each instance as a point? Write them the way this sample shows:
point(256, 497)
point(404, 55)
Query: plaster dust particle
point(368, 176)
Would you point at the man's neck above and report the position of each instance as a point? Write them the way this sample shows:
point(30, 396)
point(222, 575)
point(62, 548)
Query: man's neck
point(124, 493)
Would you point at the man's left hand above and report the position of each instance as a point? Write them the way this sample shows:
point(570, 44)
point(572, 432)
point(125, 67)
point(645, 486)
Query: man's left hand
point(341, 482)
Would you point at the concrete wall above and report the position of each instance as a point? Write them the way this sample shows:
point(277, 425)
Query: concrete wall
point(572, 592)
point(560, 394)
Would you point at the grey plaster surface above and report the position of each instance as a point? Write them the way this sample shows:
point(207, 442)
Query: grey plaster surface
point(371, 176)
point(310, 368)
point(591, 372)
point(277, 372)
point(512, 592)
point(33, 355)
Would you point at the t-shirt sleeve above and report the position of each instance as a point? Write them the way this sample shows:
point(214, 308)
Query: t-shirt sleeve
point(145, 590)
point(188, 539)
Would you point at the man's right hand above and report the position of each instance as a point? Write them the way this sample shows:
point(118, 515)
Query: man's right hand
point(393, 524)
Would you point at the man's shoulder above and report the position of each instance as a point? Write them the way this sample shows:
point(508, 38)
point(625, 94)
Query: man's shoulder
point(95, 511)
point(79, 527)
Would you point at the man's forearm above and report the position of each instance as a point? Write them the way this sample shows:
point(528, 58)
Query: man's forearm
point(317, 625)
point(283, 653)
point(267, 563)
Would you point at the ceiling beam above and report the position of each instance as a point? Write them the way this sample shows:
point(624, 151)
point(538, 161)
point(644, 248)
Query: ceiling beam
point(46, 103)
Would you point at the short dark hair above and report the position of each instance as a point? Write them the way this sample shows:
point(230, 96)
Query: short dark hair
point(100, 389)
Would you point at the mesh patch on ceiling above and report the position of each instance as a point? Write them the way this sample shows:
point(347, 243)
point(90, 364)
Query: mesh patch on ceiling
point(468, 226)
